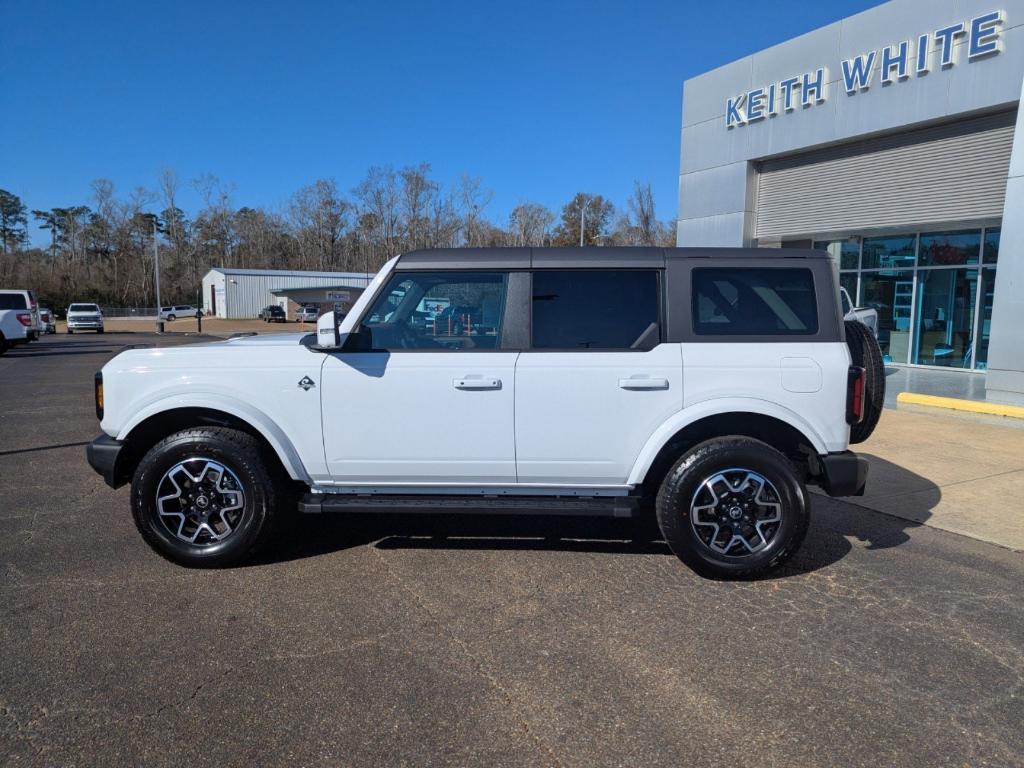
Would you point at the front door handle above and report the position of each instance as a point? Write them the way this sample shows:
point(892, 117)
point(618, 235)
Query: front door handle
point(643, 383)
point(476, 383)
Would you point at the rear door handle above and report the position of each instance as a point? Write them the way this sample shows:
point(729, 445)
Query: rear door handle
point(643, 383)
point(473, 383)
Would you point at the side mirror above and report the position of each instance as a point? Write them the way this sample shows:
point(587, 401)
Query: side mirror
point(358, 341)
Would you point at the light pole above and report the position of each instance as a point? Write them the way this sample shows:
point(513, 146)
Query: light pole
point(583, 216)
point(156, 278)
point(585, 201)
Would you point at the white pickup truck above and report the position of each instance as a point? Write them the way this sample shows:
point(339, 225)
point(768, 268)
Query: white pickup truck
point(705, 387)
point(15, 328)
point(866, 315)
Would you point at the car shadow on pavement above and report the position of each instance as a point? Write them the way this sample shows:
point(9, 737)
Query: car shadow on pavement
point(834, 524)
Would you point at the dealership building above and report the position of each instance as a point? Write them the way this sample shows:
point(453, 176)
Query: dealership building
point(894, 140)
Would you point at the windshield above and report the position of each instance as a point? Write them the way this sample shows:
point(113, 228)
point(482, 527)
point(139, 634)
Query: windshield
point(83, 308)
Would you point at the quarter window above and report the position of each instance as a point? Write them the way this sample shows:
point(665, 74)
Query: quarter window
point(754, 302)
point(595, 309)
point(438, 310)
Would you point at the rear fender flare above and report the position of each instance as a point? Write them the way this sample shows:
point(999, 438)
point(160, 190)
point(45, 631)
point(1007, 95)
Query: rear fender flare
point(716, 407)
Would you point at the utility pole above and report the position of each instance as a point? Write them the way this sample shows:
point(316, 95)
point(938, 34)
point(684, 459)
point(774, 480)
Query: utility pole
point(583, 216)
point(156, 278)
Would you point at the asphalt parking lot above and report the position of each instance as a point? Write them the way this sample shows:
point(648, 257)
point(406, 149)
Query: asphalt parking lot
point(448, 641)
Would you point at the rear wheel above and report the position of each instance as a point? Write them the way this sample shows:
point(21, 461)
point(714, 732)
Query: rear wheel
point(205, 497)
point(4, 346)
point(733, 507)
point(865, 353)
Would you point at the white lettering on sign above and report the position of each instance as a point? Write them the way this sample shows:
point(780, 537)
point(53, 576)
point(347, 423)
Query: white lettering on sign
point(892, 64)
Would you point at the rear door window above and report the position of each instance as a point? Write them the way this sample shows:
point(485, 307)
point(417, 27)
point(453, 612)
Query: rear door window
point(614, 309)
point(13, 301)
point(754, 302)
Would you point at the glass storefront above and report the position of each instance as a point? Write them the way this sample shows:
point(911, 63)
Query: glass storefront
point(932, 291)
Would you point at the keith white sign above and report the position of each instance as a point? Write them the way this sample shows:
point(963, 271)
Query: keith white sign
point(893, 64)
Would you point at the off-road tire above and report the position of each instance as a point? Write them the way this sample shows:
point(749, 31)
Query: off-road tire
point(684, 480)
point(240, 453)
point(865, 353)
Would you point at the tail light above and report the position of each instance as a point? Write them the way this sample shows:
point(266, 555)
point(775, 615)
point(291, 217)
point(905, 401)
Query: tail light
point(855, 384)
point(25, 319)
point(99, 395)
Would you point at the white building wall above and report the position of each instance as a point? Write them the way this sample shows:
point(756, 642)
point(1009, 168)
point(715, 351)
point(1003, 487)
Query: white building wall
point(1005, 379)
point(246, 292)
point(213, 284)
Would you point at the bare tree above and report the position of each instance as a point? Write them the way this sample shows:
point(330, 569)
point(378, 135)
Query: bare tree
point(529, 224)
point(641, 209)
point(319, 217)
point(378, 203)
point(473, 198)
point(417, 196)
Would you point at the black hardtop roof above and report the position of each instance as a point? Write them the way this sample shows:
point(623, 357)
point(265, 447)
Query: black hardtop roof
point(588, 257)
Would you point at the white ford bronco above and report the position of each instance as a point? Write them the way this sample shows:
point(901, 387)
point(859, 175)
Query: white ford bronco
point(706, 387)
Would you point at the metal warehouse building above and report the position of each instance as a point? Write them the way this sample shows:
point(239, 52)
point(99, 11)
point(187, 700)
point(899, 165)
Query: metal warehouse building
point(242, 293)
point(894, 140)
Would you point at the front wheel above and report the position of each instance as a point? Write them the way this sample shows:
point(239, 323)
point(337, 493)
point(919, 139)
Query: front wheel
point(171, 318)
point(205, 497)
point(732, 507)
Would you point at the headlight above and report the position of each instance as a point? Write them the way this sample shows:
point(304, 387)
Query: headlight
point(99, 395)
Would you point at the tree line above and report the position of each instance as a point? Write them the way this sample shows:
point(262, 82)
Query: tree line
point(103, 251)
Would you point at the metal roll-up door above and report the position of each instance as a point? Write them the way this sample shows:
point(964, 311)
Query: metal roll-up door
point(947, 173)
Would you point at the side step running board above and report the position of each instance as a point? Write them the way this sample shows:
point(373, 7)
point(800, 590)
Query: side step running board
point(602, 506)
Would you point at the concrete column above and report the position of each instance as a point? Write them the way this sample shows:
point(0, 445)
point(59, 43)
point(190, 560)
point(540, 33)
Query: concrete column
point(717, 207)
point(1005, 379)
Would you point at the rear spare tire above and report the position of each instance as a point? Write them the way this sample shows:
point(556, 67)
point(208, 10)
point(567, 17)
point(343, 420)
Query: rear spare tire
point(865, 353)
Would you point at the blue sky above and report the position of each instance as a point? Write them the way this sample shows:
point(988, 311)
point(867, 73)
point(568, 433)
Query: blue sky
point(539, 99)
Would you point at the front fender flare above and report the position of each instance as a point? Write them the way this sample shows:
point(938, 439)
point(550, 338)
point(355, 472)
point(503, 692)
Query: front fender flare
point(694, 413)
point(254, 417)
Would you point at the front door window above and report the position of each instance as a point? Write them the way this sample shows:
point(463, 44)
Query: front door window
point(438, 310)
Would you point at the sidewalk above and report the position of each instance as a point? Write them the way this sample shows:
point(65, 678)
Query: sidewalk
point(930, 381)
point(948, 473)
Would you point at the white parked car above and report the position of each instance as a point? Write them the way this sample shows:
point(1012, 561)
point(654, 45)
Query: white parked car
point(47, 320)
point(85, 317)
point(24, 300)
point(308, 313)
point(705, 387)
point(179, 310)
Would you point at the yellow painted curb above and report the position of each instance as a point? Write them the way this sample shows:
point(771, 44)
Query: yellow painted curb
point(952, 403)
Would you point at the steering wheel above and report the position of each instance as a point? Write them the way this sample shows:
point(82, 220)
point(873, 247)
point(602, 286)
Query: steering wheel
point(407, 339)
